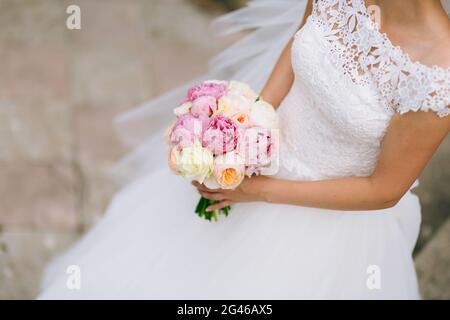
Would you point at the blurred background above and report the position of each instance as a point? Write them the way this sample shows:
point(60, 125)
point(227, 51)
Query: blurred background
point(59, 92)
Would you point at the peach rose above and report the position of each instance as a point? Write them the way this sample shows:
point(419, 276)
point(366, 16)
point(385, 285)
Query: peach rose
point(229, 170)
point(174, 160)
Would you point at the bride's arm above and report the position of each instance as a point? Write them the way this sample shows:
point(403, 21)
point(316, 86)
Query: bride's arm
point(410, 142)
point(282, 76)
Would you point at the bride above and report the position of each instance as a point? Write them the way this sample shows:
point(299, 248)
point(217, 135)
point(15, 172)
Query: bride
point(338, 221)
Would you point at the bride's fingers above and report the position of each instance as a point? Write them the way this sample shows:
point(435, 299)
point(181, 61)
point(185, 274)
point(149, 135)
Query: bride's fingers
point(213, 196)
point(195, 184)
point(203, 188)
point(219, 205)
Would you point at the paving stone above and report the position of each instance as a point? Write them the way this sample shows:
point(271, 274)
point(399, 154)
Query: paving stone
point(98, 189)
point(434, 193)
point(35, 132)
point(432, 265)
point(109, 24)
point(178, 52)
point(96, 139)
point(98, 149)
point(33, 23)
point(109, 77)
point(34, 111)
point(32, 74)
point(170, 68)
point(38, 197)
point(176, 21)
point(23, 257)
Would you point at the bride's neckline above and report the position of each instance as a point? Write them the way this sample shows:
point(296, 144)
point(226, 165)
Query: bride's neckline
point(368, 58)
point(365, 12)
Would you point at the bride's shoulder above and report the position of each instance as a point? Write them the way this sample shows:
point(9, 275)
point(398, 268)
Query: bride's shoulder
point(426, 84)
point(439, 53)
point(436, 39)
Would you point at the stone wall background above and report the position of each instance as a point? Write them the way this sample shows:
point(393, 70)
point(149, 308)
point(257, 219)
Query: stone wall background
point(61, 89)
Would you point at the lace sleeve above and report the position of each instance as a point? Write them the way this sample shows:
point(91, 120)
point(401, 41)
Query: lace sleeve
point(368, 57)
point(415, 87)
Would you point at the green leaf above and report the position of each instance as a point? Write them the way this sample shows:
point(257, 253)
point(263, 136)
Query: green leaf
point(199, 204)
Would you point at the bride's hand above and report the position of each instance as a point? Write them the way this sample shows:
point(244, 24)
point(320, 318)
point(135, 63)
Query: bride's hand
point(248, 191)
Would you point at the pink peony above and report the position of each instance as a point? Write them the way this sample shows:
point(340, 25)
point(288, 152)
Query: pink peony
point(256, 147)
point(204, 106)
point(187, 129)
point(221, 136)
point(216, 90)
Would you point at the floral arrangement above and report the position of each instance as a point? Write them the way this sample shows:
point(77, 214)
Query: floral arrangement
point(223, 132)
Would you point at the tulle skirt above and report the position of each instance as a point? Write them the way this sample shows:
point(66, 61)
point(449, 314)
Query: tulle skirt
point(151, 245)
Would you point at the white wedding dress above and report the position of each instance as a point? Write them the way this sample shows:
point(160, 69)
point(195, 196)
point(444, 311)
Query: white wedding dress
point(349, 81)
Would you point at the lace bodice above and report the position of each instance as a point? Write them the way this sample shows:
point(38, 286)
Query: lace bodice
point(349, 81)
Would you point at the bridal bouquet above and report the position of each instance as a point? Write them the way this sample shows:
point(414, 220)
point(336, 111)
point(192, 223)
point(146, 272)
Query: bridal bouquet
point(222, 133)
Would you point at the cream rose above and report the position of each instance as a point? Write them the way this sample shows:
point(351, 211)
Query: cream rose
point(195, 162)
point(262, 114)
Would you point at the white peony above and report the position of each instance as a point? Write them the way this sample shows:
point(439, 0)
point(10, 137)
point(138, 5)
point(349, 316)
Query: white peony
point(183, 109)
point(233, 104)
point(221, 82)
point(262, 114)
point(243, 89)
